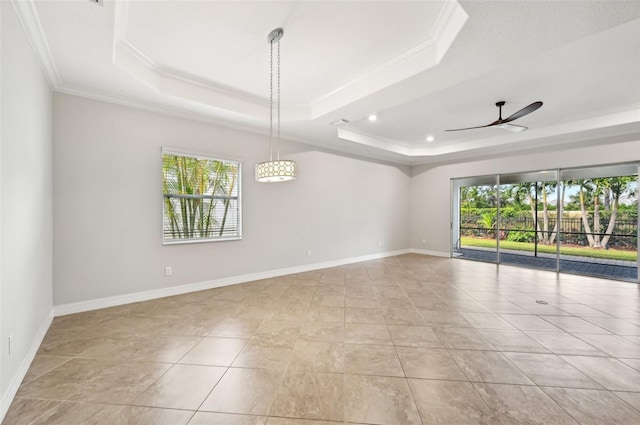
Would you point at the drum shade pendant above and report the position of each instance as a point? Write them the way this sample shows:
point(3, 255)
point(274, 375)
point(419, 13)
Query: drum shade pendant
point(278, 170)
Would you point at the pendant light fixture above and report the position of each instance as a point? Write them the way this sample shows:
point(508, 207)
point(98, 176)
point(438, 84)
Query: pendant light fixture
point(275, 170)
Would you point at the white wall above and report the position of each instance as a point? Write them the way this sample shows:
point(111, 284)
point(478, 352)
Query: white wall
point(108, 204)
point(430, 186)
point(26, 203)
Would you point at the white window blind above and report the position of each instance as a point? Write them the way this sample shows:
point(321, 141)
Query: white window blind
point(201, 198)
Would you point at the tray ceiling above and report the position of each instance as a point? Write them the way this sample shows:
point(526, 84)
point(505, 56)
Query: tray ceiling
point(421, 66)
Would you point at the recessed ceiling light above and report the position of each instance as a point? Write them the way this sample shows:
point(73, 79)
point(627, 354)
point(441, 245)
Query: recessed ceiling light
point(372, 117)
point(430, 138)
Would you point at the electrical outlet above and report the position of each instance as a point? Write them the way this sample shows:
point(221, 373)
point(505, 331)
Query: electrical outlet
point(424, 241)
point(10, 343)
point(168, 271)
point(308, 253)
point(380, 243)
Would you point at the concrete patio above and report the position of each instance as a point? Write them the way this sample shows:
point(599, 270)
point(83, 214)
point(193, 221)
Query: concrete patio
point(613, 269)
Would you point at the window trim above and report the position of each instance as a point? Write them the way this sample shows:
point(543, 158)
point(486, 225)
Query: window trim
point(206, 156)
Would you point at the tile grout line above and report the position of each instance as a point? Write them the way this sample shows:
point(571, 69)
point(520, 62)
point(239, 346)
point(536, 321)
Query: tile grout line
point(284, 372)
point(406, 379)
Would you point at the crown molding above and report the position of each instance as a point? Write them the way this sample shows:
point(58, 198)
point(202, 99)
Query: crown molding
point(449, 23)
point(173, 82)
point(182, 113)
point(372, 141)
point(411, 62)
point(611, 123)
point(170, 81)
point(30, 21)
point(163, 109)
point(176, 83)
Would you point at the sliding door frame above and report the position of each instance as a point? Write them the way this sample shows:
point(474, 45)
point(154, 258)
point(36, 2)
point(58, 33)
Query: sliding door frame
point(455, 220)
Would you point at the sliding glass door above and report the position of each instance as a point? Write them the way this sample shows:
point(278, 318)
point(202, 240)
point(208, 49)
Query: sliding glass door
point(528, 225)
point(599, 231)
point(581, 220)
point(475, 235)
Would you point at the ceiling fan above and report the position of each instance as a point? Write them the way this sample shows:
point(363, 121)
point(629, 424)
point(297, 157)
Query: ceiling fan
point(505, 123)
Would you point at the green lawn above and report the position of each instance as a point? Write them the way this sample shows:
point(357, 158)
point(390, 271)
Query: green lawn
point(610, 254)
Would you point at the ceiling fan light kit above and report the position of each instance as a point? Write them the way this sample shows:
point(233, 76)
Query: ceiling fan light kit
point(278, 170)
point(512, 127)
point(505, 123)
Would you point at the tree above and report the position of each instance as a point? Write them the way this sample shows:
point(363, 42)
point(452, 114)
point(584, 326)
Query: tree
point(599, 188)
point(544, 189)
point(594, 190)
point(554, 234)
point(478, 197)
point(487, 221)
point(616, 187)
point(584, 185)
point(528, 190)
point(230, 174)
point(192, 189)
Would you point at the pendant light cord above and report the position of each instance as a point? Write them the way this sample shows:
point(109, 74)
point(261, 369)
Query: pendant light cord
point(278, 138)
point(271, 103)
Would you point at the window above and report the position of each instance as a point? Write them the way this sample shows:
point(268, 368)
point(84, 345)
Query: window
point(201, 198)
point(577, 220)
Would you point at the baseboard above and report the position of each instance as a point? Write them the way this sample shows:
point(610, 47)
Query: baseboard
point(432, 253)
point(79, 307)
point(14, 384)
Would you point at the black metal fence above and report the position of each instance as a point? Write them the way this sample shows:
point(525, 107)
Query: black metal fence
point(572, 230)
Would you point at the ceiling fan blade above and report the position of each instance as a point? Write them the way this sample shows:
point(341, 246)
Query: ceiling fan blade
point(471, 128)
point(513, 127)
point(522, 112)
point(503, 123)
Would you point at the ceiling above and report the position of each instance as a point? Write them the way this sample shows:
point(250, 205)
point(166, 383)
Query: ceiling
point(420, 66)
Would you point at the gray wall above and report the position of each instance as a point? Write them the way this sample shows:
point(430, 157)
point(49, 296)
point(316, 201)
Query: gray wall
point(430, 186)
point(108, 204)
point(26, 199)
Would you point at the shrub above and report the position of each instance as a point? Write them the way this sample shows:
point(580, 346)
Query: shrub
point(516, 235)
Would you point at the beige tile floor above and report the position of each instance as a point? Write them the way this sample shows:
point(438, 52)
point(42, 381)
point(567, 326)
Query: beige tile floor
point(399, 341)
